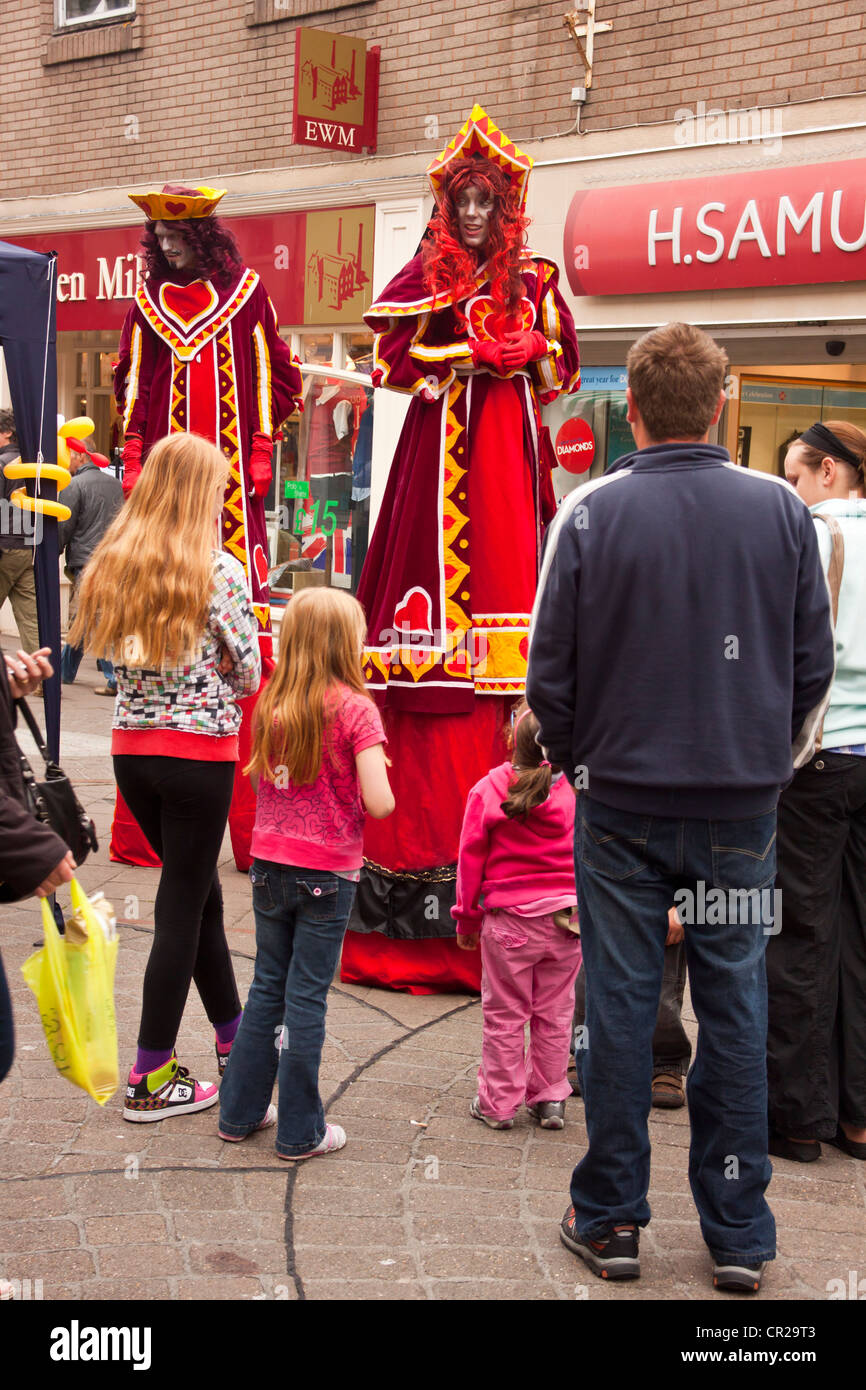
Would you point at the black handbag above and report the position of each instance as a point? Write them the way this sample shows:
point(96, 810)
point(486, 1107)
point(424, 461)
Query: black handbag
point(54, 801)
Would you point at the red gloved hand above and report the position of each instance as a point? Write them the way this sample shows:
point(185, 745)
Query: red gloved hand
point(520, 348)
point(131, 462)
point(427, 395)
point(487, 353)
point(377, 376)
point(260, 465)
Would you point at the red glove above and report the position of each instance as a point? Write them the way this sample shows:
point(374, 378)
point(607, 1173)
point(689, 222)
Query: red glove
point(260, 465)
point(427, 395)
point(131, 462)
point(520, 348)
point(487, 353)
point(377, 376)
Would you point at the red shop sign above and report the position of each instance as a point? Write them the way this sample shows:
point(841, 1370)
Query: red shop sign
point(316, 266)
point(801, 226)
point(575, 446)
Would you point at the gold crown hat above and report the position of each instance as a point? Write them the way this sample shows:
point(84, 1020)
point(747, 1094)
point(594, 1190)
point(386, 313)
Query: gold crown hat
point(174, 203)
point(479, 135)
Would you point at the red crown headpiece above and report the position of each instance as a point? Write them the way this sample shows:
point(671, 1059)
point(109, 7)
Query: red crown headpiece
point(481, 136)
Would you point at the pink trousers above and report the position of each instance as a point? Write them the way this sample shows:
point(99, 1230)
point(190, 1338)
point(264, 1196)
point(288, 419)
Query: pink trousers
point(528, 970)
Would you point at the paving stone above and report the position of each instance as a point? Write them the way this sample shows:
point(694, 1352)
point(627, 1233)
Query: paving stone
point(112, 1192)
point(494, 1291)
point(239, 1258)
point(125, 1230)
point(435, 1197)
point(115, 1261)
point(362, 1291)
point(352, 1230)
point(337, 1261)
point(39, 1235)
point(127, 1290)
point(226, 1289)
point(31, 1198)
point(470, 1263)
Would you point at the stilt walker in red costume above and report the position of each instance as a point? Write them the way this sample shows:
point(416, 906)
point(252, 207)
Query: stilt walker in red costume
point(200, 352)
point(474, 328)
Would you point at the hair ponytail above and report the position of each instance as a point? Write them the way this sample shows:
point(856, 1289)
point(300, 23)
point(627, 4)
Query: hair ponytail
point(531, 785)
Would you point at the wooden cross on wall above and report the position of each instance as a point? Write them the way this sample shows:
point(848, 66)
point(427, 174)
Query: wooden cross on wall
point(581, 24)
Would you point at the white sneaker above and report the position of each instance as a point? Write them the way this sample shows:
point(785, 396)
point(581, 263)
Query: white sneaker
point(335, 1138)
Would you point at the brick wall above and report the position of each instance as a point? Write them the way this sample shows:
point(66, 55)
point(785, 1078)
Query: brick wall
point(194, 88)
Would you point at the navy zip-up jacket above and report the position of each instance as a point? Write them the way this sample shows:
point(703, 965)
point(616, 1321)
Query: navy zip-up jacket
point(681, 652)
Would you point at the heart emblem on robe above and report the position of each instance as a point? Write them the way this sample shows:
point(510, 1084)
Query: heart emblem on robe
point(187, 305)
point(415, 612)
point(260, 565)
point(489, 323)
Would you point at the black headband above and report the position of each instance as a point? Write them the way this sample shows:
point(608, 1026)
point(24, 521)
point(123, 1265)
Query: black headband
point(821, 438)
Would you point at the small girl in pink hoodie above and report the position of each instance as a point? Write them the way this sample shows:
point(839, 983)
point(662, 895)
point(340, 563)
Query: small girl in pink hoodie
point(517, 857)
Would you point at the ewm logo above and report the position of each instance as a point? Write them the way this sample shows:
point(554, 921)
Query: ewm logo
point(77, 1343)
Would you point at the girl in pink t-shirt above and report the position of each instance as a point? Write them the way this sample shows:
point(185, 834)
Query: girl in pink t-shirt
point(318, 757)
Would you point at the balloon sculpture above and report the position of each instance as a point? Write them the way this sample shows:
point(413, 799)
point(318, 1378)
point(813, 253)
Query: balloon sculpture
point(67, 439)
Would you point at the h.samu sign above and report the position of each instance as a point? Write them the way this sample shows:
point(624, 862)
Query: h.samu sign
point(799, 226)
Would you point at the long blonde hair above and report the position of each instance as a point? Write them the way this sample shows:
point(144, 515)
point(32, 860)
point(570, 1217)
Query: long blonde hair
point(321, 637)
point(148, 582)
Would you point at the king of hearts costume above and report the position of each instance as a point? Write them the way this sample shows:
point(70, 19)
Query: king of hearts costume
point(208, 359)
point(449, 581)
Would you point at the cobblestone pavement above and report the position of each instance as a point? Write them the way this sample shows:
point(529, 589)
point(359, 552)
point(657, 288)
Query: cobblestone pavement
point(423, 1203)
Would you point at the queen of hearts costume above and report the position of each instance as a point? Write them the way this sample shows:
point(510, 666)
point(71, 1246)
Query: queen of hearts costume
point(450, 576)
point(206, 358)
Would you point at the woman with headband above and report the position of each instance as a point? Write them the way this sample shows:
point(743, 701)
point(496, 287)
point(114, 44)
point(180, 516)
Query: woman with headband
point(816, 965)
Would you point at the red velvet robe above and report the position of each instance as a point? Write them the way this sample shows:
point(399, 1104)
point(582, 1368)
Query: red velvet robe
point(208, 360)
point(448, 586)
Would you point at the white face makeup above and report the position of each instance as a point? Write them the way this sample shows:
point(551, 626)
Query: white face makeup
point(474, 210)
point(177, 252)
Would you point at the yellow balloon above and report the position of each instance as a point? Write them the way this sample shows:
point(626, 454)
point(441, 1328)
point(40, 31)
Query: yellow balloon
point(79, 428)
point(51, 472)
point(40, 504)
point(62, 451)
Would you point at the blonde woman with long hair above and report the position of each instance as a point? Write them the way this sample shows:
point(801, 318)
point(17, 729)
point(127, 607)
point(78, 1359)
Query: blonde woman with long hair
point(318, 756)
point(173, 613)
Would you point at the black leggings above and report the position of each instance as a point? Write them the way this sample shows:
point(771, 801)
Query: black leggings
point(182, 807)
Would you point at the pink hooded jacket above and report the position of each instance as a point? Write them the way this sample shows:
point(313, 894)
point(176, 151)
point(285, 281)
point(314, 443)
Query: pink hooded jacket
point(512, 862)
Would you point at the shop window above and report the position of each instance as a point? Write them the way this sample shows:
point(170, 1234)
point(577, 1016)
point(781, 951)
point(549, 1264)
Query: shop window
point(318, 349)
point(325, 514)
point(91, 11)
point(773, 412)
point(589, 430)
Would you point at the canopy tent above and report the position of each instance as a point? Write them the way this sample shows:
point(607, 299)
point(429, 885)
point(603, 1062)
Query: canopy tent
point(28, 339)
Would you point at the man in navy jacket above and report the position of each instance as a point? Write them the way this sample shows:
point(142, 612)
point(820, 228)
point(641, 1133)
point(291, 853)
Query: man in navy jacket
point(680, 661)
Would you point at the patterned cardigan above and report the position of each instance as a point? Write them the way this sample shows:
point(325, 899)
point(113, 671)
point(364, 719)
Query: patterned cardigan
point(190, 709)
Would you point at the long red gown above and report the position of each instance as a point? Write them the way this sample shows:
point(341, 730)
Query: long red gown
point(448, 586)
point(194, 356)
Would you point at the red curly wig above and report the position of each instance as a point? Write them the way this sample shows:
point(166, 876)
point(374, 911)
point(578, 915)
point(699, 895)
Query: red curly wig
point(215, 249)
point(449, 266)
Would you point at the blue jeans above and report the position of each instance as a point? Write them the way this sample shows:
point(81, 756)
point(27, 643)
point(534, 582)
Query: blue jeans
point(630, 870)
point(301, 917)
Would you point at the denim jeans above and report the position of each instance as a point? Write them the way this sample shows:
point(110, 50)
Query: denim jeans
point(672, 1050)
point(301, 917)
point(630, 870)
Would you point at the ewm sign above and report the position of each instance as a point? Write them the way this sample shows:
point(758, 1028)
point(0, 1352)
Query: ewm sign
point(336, 91)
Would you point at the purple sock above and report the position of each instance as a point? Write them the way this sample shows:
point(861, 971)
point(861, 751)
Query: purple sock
point(225, 1032)
point(147, 1060)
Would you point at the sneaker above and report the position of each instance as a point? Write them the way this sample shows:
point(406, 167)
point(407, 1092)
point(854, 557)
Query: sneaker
point(614, 1256)
point(668, 1092)
point(169, 1090)
point(741, 1278)
point(550, 1114)
point(478, 1114)
point(270, 1119)
point(105, 690)
point(335, 1138)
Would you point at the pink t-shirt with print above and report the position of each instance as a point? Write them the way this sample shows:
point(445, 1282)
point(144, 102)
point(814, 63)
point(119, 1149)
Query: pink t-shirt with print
point(321, 825)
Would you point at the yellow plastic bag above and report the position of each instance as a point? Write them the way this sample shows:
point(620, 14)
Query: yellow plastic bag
point(72, 977)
